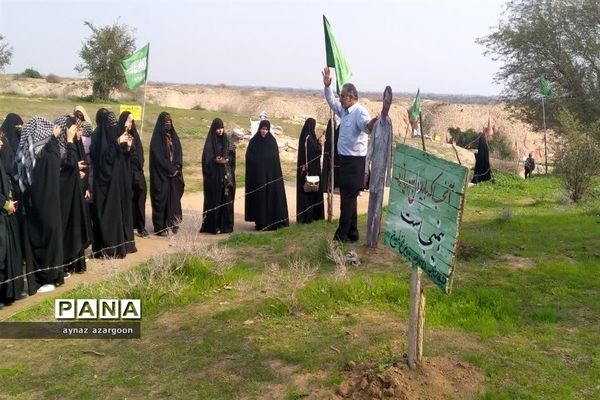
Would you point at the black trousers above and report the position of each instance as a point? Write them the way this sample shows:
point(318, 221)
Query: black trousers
point(351, 181)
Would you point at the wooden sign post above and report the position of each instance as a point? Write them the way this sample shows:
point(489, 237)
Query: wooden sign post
point(424, 214)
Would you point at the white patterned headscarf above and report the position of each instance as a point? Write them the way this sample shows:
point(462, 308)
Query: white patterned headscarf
point(62, 122)
point(36, 133)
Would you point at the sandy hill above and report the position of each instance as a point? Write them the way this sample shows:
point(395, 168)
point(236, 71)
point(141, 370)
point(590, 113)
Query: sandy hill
point(295, 106)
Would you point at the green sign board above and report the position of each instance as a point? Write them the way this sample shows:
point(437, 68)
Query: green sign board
point(424, 212)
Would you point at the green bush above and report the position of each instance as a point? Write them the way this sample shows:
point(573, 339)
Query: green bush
point(52, 78)
point(31, 73)
point(578, 159)
point(499, 146)
point(466, 139)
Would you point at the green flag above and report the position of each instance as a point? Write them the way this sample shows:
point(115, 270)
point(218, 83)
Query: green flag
point(545, 88)
point(136, 67)
point(415, 110)
point(335, 59)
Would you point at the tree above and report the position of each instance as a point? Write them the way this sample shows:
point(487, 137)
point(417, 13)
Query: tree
point(558, 38)
point(102, 54)
point(578, 159)
point(5, 53)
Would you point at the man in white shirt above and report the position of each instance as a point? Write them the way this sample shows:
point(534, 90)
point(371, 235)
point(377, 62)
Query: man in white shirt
point(352, 149)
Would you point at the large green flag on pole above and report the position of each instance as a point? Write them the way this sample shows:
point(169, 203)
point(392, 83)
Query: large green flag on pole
point(545, 88)
point(136, 67)
point(415, 110)
point(335, 59)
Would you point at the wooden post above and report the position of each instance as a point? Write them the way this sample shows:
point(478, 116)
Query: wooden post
point(421, 324)
point(456, 152)
point(331, 175)
point(143, 109)
point(415, 319)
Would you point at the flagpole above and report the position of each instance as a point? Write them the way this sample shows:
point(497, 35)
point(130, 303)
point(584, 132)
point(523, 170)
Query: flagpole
point(421, 127)
point(143, 109)
point(332, 165)
point(544, 126)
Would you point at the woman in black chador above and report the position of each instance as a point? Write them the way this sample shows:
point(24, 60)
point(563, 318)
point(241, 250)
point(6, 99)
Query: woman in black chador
point(10, 248)
point(139, 180)
point(483, 171)
point(326, 175)
point(38, 175)
point(110, 153)
point(218, 174)
point(75, 219)
point(265, 201)
point(166, 179)
point(309, 206)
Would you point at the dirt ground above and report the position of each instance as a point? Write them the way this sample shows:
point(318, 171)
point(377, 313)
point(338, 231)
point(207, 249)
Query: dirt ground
point(191, 203)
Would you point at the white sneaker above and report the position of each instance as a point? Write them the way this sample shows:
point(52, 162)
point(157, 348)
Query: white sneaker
point(67, 275)
point(46, 288)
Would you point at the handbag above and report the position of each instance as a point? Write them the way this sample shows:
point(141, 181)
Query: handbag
point(311, 182)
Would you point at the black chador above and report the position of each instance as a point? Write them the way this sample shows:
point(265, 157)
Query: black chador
point(309, 206)
point(139, 181)
point(11, 287)
point(75, 220)
point(326, 176)
point(12, 136)
point(483, 171)
point(38, 175)
point(166, 178)
point(112, 194)
point(218, 174)
point(265, 201)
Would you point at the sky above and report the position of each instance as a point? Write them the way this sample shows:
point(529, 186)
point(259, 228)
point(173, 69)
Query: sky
point(407, 44)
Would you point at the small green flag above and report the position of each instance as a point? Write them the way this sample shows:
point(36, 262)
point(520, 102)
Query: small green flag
point(136, 67)
point(545, 88)
point(335, 59)
point(415, 110)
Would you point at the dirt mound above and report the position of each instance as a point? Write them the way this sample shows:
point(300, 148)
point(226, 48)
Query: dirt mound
point(436, 378)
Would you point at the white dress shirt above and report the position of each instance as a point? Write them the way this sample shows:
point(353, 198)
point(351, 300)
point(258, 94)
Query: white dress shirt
point(353, 139)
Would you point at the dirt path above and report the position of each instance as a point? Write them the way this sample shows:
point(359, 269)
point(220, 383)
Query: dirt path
point(98, 270)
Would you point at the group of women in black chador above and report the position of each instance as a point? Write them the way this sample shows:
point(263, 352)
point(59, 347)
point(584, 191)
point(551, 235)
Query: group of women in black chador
point(65, 186)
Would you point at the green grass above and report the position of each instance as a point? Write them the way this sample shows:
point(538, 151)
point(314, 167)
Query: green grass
point(524, 309)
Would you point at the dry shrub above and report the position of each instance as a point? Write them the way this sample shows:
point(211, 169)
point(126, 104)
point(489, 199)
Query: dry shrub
point(286, 282)
point(335, 254)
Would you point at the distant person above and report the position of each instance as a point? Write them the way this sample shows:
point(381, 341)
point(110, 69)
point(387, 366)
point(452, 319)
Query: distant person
point(166, 176)
point(265, 200)
point(352, 148)
point(529, 166)
point(483, 171)
point(309, 205)
point(218, 175)
point(378, 167)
